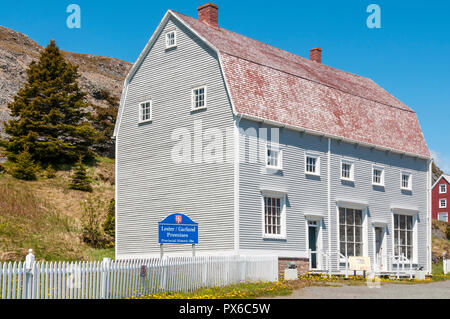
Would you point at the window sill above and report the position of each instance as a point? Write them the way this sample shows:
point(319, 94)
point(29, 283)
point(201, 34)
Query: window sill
point(347, 180)
point(377, 185)
point(198, 109)
point(171, 47)
point(406, 189)
point(145, 122)
point(312, 174)
point(275, 237)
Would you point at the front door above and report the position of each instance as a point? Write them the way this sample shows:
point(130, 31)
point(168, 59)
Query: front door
point(379, 248)
point(313, 245)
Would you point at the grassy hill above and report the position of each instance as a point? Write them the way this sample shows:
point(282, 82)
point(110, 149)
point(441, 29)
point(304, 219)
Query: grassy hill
point(45, 215)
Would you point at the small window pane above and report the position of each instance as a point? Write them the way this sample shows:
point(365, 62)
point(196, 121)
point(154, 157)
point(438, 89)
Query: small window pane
point(342, 216)
point(358, 217)
point(350, 216)
point(358, 250)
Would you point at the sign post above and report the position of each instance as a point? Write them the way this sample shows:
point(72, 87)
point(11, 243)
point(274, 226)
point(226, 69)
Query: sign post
point(178, 229)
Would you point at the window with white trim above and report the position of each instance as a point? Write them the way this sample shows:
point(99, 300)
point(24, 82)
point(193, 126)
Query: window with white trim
point(442, 189)
point(442, 203)
point(273, 157)
point(378, 175)
point(312, 164)
point(171, 39)
point(443, 217)
point(406, 181)
point(145, 112)
point(403, 235)
point(351, 231)
point(347, 170)
point(199, 98)
point(274, 216)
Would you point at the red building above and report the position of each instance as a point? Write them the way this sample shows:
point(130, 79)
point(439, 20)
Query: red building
point(440, 201)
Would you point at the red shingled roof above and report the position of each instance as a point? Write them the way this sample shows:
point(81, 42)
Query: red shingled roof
point(272, 84)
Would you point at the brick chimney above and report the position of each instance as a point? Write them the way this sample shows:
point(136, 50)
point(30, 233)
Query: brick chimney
point(316, 55)
point(209, 14)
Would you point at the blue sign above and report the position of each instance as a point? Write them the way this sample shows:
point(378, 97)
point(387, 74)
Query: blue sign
point(178, 229)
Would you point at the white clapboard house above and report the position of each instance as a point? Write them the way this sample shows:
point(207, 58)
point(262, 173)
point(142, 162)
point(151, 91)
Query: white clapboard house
point(269, 152)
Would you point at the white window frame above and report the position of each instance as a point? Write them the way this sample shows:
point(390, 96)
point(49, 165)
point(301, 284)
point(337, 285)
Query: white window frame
point(443, 191)
point(168, 45)
point(280, 156)
point(317, 158)
point(193, 95)
point(410, 181)
point(440, 203)
point(414, 235)
point(352, 170)
point(141, 120)
point(282, 197)
point(443, 214)
point(382, 177)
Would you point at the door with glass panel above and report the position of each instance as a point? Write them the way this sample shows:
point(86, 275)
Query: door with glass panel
point(313, 232)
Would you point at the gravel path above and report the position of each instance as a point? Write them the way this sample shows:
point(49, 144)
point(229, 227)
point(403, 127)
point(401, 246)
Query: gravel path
point(436, 290)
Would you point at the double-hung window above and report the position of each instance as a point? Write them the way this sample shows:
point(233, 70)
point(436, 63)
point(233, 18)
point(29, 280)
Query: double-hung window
point(378, 175)
point(171, 39)
point(145, 112)
point(442, 189)
point(199, 98)
point(312, 164)
point(442, 203)
point(274, 210)
point(443, 217)
point(273, 156)
point(351, 231)
point(347, 170)
point(406, 181)
point(403, 235)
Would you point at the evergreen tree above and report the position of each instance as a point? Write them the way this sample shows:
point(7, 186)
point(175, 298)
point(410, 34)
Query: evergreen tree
point(109, 226)
point(49, 112)
point(24, 168)
point(104, 120)
point(80, 181)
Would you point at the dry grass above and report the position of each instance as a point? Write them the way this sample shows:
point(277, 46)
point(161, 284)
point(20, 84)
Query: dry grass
point(45, 215)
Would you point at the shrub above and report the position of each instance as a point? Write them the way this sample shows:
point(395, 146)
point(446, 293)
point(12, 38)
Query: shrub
point(50, 172)
point(80, 181)
point(109, 226)
point(92, 233)
point(24, 168)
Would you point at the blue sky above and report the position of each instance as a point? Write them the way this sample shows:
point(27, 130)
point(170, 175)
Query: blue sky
point(409, 56)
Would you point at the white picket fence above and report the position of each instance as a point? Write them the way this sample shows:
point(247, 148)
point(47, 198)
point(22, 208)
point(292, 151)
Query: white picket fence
point(446, 265)
point(127, 278)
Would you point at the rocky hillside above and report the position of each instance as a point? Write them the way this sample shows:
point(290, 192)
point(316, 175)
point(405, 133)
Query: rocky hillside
point(17, 51)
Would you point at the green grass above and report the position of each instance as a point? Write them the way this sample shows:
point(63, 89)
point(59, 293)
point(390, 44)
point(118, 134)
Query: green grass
point(438, 269)
point(98, 254)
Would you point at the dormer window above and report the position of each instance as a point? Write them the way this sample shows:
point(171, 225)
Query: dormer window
point(171, 39)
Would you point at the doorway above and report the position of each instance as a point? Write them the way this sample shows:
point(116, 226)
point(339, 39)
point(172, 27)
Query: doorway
point(380, 253)
point(313, 234)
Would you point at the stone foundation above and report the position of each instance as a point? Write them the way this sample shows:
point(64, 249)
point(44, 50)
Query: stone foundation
point(302, 265)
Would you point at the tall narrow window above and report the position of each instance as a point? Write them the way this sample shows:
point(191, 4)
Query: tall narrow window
point(347, 170)
point(199, 98)
point(406, 181)
point(403, 235)
point(273, 159)
point(351, 231)
point(145, 112)
point(442, 189)
point(312, 164)
point(171, 39)
point(272, 216)
point(378, 176)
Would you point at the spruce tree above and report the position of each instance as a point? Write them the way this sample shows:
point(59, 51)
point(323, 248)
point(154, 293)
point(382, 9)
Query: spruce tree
point(80, 181)
point(24, 168)
point(49, 112)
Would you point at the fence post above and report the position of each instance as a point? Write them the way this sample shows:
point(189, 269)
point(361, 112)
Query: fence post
point(29, 265)
point(104, 279)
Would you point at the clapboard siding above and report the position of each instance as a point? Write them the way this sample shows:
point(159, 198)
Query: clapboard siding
point(380, 200)
point(304, 194)
point(308, 195)
point(150, 185)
